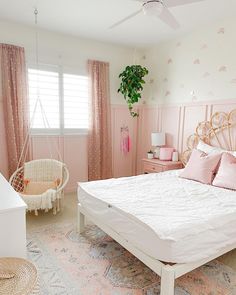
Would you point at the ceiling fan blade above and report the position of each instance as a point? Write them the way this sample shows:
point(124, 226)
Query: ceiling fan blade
point(173, 3)
point(125, 19)
point(169, 19)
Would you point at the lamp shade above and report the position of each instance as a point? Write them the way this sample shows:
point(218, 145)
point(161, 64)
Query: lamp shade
point(158, 139)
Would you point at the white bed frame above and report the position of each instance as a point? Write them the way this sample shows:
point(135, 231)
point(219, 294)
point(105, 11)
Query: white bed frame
point(217, 132)
point(168, 273)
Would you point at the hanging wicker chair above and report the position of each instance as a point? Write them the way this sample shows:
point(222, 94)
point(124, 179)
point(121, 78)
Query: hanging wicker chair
point(41, 184)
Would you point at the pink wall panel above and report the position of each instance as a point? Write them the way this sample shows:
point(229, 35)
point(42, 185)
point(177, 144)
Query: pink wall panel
point(43, 147)
point(170, 124)
point(123, 164)
point(76, 159)
point(72, 150)
point(223, 107)
point(148, 122)
point(178, 121)
point(192, 115)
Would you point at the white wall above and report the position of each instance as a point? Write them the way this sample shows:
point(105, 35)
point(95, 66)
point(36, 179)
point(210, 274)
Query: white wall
point(213, 78)
point(203, 61)
point(69, 51)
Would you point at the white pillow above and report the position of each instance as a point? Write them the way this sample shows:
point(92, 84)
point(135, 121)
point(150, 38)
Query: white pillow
point(208, 149)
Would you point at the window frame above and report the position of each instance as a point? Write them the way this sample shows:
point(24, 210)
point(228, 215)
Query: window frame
point(61, 131)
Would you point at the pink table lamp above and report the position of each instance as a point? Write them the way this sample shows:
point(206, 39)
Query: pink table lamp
point(158, 140)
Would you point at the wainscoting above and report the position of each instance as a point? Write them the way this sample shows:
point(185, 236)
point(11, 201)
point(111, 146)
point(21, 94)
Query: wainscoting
point(179, 121)
point(72, 150)
point(123, 164)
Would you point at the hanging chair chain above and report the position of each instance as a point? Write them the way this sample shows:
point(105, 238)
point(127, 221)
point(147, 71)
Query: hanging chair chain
point(36, 36)
point(38, 103)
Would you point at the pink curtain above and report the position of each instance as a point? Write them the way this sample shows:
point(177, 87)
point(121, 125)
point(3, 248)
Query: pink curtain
point(15, 100)
point(99, 140)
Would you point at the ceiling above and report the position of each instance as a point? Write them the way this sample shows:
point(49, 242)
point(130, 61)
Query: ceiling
point(92, 18)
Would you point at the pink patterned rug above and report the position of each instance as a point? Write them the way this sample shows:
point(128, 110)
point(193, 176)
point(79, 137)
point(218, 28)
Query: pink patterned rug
point(94, 264)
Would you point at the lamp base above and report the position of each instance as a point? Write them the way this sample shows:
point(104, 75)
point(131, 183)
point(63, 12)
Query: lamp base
point(157, 152)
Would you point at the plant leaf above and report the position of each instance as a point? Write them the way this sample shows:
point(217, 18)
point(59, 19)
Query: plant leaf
point(131, 85)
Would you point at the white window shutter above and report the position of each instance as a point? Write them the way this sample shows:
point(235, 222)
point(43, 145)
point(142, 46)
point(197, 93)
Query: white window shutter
point(46, 85)
point(75, 101)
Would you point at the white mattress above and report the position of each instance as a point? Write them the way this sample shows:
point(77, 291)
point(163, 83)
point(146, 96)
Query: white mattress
point(168, 218)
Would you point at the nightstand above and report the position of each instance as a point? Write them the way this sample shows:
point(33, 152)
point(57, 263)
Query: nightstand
point(155, 165)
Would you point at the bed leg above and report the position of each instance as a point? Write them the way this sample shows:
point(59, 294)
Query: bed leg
point(80, 222)
point(167, 280)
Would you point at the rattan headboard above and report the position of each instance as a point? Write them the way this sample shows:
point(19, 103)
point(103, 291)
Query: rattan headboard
point(219, 131)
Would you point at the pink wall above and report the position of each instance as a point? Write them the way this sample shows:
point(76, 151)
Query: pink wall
point(73, 148)
point(123, 165)
point(148, 122)
point(178, 121)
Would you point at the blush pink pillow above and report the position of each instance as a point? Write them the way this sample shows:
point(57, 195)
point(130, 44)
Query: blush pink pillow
point(226, 175)
point(201, 167)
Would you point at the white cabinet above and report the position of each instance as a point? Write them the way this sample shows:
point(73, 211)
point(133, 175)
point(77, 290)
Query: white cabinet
point(12, 222)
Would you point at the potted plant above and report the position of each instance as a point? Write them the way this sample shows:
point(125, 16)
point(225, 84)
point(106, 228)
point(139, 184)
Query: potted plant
point(150, 155)
point(131, 85)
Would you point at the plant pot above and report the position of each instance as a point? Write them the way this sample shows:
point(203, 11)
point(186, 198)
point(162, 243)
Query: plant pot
point(150, 155)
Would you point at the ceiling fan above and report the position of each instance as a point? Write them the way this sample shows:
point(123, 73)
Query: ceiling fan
point(160, 9)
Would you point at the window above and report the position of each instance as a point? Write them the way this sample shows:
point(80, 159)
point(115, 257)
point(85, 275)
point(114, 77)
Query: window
point(75, 101)
point(46, 85)
point(63, 104)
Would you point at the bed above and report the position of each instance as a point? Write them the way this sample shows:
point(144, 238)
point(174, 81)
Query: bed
point(172, 225)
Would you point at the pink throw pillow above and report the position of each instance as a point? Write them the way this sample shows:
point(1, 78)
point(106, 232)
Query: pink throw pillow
point(226, 175)
point(201, 167)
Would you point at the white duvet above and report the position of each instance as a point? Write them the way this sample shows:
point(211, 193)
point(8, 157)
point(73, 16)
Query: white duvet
point(194, 220)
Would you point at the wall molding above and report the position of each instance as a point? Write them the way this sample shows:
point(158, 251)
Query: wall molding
point(178, 120)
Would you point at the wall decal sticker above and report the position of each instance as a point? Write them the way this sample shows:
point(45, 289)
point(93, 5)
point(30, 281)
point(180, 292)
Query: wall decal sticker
point(206, 74)
point(223, 69)
point(151, 81)
point(170, 61)
point(204, 46)
point(193, 94)
point(167, 93)
point(221, 31)
point(197, 61)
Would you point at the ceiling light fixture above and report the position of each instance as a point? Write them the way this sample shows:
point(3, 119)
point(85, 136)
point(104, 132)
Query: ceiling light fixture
point(153, 7)
point(158, 8)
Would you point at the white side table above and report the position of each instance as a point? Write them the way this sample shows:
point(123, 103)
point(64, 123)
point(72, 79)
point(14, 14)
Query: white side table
point(12, 222)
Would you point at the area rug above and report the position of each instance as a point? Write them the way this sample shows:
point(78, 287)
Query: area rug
point(94, 264)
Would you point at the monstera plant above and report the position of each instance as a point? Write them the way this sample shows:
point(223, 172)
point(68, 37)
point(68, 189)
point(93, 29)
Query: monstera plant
point(131, 85)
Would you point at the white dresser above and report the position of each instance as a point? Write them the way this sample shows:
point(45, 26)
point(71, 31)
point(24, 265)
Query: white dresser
point(12, 222)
